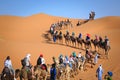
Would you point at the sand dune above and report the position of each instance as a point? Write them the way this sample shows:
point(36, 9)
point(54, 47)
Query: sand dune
point(22, 35)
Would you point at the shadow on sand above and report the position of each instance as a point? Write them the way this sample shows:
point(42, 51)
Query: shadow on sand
point(49, 40)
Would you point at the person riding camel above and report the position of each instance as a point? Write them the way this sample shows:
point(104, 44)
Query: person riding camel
point(66, 60)
point(100, 38)
point(68, 20)
point(73, 34)
point(74, 54)
point(96, 38)
point(52, 29)
point(55, 36)
point(54, 60)
point(96, 58)
point(80, 36)
point(78, 23)
point(60, 33)
point(88, 53)
point(107, 41)
point(27, 60)
point(88, 37)
point(41, 62)
point(61, 59)
point(8, 64)
point(67, 33)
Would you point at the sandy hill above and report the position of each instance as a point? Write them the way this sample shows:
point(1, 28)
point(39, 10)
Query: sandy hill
point(22, 35)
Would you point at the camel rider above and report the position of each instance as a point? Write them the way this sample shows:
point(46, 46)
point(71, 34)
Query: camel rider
point(43, 65)
point(68, 20)
point(74, 54)
point(107, 41)
point(67, 33)
point(60, 59)
point(27, 60)
point(60, 33)
point(54, 60)
point(51, 29)
point(79, 55)
point(73, 34)
point(88, 37)
point(66, 60)
point(79, 22)
point(96, 38)
point(71, 61)
point(8, 64)
point(55, 36)
point(80, 36)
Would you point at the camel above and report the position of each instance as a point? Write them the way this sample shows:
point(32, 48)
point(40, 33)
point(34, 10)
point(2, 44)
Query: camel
point(73, 40)
point(41, 74)
point(89, 58)
point(79, 41)
point(87, 44)
point(81, 62)
point(95, 43)
point(6, 74)
point(60, 37)
point(67, 39)
point(105, 47)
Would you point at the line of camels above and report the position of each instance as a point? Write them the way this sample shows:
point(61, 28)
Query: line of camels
point(67, 23)
point(63, 72)
point(79, 42)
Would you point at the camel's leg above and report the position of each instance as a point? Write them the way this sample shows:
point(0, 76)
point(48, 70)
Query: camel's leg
point(78, 44)
point(62, 41)
point(91, 63)
point(75, 44)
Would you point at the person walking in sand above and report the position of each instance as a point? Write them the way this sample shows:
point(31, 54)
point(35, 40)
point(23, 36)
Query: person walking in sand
point(96, 58)
point(53, 72)
point(99, 72)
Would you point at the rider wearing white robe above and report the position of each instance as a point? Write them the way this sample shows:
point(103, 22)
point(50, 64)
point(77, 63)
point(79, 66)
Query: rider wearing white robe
point(8, 64)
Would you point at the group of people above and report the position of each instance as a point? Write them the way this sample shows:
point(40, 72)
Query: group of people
point(62, 60)
point(92, 15)
point(59, 25)
point(80, 36)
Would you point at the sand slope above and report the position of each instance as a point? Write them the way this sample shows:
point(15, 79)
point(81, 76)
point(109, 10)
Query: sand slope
point(22, 35)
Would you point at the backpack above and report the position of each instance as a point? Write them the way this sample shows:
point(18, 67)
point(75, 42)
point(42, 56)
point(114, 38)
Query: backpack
point(23, 62)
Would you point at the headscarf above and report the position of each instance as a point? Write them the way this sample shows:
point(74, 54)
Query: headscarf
point(28, 55)
point(100, 68)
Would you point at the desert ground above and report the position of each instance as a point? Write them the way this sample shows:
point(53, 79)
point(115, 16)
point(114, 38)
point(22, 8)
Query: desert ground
point(22, 35)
